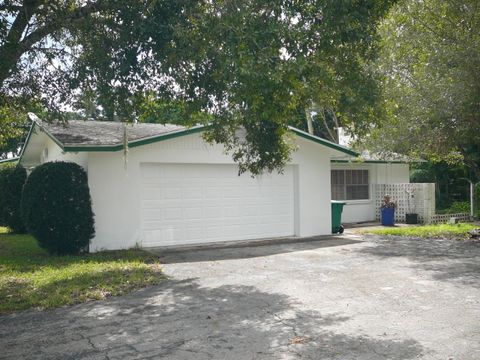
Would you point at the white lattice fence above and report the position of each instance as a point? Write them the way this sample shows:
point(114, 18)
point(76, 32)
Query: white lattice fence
point(422, 202)
point(444, 218)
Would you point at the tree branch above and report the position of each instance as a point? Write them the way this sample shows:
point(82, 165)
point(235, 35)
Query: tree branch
point(57, 24)
point(324, 118)
point(10, 7)
point(14, 48)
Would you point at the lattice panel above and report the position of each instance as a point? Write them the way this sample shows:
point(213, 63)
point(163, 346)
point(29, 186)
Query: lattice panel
point(444, 218)
point(422, 202)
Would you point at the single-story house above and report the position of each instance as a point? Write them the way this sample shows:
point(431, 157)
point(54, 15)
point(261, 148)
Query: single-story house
point(172, 188)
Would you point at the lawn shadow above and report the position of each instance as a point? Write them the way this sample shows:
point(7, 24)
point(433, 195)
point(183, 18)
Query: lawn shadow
point(181, 319)
point(457, 261)
point(248, 251)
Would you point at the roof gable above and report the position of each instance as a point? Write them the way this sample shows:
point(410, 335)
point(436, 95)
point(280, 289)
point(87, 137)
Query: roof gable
point(324, 142)
point(92, 136)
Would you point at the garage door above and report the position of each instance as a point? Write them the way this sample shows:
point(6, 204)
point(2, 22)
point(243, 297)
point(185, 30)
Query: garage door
point(189, 204)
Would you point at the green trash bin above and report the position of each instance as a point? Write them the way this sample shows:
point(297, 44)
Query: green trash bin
point(337, 208)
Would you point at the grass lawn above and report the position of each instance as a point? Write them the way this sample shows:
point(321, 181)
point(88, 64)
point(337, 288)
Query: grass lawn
point(428, 231)
point(30, 278)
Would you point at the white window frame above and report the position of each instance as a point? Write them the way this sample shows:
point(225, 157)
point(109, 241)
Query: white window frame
point(353, 201)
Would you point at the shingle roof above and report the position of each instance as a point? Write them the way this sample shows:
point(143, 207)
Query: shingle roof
point(80, 135)
point(381, 158)
point(103, 133)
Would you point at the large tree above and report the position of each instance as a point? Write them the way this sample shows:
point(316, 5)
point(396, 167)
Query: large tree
point(253, 64)
point(431, 66)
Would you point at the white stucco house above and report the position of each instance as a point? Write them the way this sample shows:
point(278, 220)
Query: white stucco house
point(176, 189)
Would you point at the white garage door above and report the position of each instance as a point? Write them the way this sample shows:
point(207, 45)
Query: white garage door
point(189, 204)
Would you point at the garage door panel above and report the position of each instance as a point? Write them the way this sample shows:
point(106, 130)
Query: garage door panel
point(192, 193)
point(188, 204)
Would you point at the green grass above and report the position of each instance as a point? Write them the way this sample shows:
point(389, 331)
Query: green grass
point(30, 278)
point(428, 231)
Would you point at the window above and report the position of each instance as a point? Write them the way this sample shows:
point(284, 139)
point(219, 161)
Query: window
point(350, 185)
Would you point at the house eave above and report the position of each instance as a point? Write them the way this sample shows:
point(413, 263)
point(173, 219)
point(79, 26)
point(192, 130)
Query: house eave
point(360, 161)
point(161, 137)
point(324, 142)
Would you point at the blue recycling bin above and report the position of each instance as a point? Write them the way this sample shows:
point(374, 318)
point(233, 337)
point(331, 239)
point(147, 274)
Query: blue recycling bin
point(388, 216)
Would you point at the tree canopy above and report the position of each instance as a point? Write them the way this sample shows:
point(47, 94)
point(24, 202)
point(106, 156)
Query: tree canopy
point(255, 64)
point(430, 61)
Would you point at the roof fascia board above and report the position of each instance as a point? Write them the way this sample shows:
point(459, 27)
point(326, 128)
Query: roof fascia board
point(135, 143)
point(341, 161)
point(172, 135)
point(324, 142)
point(27, 140)
point(53, 138)
point(167, 136)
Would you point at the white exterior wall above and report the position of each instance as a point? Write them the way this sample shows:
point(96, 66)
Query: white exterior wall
point(35, 152)
point(115, 188)
point(55, 153)
point(364, 210)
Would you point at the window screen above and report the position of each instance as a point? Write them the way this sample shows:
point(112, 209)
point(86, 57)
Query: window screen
point(350, 185)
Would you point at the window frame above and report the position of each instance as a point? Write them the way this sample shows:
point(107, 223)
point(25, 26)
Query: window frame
point(345, 185)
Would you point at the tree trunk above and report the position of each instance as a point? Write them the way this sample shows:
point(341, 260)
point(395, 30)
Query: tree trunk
point(10, 51)
point(308, 114)
point(331, 133)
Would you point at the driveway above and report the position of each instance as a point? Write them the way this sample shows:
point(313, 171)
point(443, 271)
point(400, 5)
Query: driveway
point(341, 298)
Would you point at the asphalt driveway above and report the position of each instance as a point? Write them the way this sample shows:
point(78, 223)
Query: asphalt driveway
point(344, 298)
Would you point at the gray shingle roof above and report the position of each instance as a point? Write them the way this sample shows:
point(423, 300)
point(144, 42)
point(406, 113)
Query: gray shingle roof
point(100, 133)
point(80, 135)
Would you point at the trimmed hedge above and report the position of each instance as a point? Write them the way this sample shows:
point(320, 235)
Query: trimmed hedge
point(12, 179)
point(57, 208)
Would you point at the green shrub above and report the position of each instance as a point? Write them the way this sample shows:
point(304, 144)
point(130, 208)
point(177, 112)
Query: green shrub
point(57, 208)
point(457, 207)
point(12, 179)
point(422, 176)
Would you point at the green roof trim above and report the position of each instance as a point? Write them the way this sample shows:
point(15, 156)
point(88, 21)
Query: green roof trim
point(115, 147)
point(54, 139)
point(166, 136)
point(327, 143)
point(29, 135)
point(135, 143)
point(360, 161)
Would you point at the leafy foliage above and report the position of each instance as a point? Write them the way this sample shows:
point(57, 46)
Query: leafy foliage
point(56, 207)
point(14, 124)
point(430, 61)
point(450, 180)
point(254, 64)
point(457, 207)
